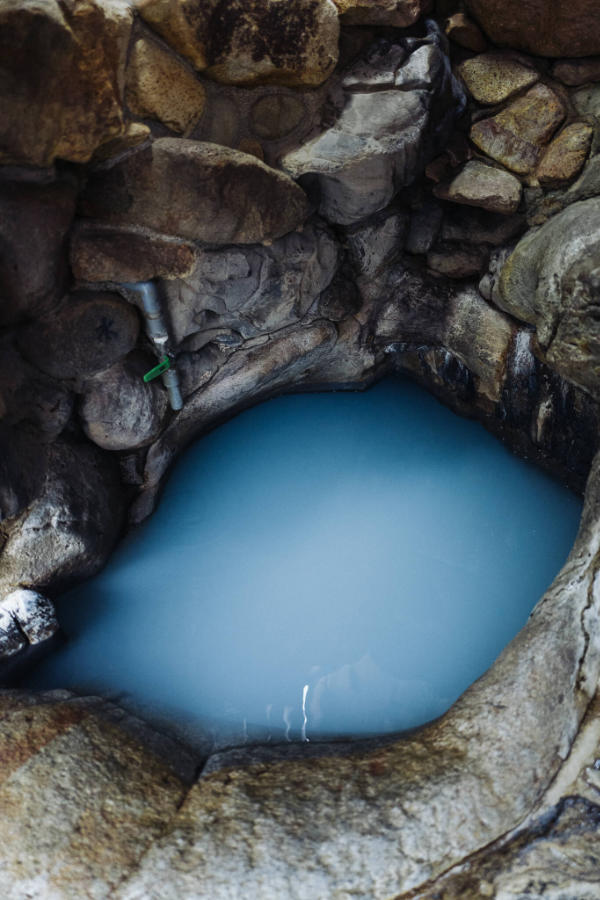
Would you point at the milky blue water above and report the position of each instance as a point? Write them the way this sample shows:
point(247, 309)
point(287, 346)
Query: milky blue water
point(325, 564)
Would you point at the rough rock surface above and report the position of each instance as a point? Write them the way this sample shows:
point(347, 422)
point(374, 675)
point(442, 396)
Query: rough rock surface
point(61, 89)
point(399, 13)
point(251, 41)
point(87, 333)
point(488, 187)
point(464, 32)
point(543, 27)
point(118, 410)
point(565, 156)
point(575, 72)
point(33, 613)
point(516, 136)
point(28, 397)
point(385, 132)
point(198, 191)
point(494, 77)
point(552, 279)
point(161, 87)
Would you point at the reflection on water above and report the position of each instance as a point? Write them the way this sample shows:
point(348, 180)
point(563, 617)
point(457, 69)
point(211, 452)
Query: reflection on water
point(332, 564)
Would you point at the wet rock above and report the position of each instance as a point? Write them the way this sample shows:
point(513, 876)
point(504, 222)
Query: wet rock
point(199, 191)
point(161, 87)
point(465, 32)
point(479, 184)
point(32, 216)
point(251, 42)
point(565, 156)
point(71, 521)
point(543, 27)
point(517, 135)
point(456, 261)
point(61, 89)
point(256, 289)
point(494, 77)
point(552, 280)
point(34, 614)
point(71, 779)
point(575, 72)
point(274, 116)
point(391, 121)
point(87, 333)
point(103, 253)
point(118, 410)
point(399, 13)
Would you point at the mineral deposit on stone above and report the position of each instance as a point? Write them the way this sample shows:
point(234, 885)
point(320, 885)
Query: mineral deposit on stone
point(494, 77)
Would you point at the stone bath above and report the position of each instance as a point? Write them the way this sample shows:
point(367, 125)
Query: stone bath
point(322, 194)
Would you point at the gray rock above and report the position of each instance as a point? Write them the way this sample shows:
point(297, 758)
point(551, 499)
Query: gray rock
point(373, 245)
point(425, 224)
point(34, 614)
point(199, 191)
point(87, 333)
point(27, 396)
point(397, 108)
point(118, 411)
point(488, 187)
point(254, 289)
point(552, 280)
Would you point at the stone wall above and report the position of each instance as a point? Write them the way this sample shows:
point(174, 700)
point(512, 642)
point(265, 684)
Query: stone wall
point(322, 193)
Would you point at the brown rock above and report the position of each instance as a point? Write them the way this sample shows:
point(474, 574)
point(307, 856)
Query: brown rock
point(494, 77)
point(481, 185)
point(88, 333)
point(399, 13)
point(274, 116)
point(517, 135)
point(135, 133)
point(566, 155)
point(543, 27)
point(575, 72)
point(252, 147)
point(101, 253)
point(477, 226)
point(465, 32)
point(251, 41)
point(458, 261)
point(161, 87)
point(34, 220)
point(199, 191)
point(61, 88)
point(119, 411)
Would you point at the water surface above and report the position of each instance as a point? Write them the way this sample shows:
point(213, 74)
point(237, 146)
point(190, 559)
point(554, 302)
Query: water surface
point(325, 564)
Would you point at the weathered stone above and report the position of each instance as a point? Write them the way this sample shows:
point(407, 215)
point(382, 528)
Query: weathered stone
point(372, 246)
point(198, 191)
point(456, 261)
point(161, 87)
point(71, 780)
point(104, 253)
point(575, 72)
point(543, 27)
point(381, 138)
point(29, 397)
point(399, 13)
point(251, 41)
point(72, 519)
point(517, 135)
point(34, 220)
point(197, 368)
point(118, 410)
point(481, 185)
point(89, 332)
point(586, 101)
point(565, 156)
point(494, 77)
point(34, 614)
point(276, 115)
point(135, 133)
point(61, 89)
point(552, 280)
point(254, 290)
point(465, 32)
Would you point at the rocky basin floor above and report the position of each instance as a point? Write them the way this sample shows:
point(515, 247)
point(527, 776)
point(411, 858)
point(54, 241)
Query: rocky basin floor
point(320, 194)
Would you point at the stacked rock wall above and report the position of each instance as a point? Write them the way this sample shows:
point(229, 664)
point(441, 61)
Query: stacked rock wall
point(322, 193)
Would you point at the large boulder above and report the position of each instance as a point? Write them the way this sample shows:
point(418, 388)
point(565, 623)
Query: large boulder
point(543, 27)
point(255, 289)
point(62, 69)
point(34, 219)
point(552, 280)
point(251, 41)
point(199, 191)
point(398, 104)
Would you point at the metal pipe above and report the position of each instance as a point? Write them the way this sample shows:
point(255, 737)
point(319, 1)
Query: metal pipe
point(158, 332)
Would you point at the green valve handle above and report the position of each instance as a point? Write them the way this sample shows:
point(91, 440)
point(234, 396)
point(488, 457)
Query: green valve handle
point(163, 365)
